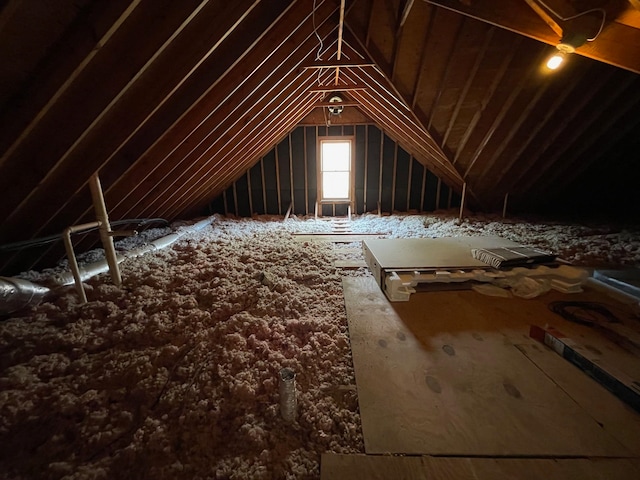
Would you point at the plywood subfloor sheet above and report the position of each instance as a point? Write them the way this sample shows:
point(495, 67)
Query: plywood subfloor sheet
point(384, 467)
point(443, 375)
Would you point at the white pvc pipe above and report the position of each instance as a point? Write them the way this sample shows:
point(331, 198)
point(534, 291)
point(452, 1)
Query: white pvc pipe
point(105, 229)
point(73, 263)
point(101, 266)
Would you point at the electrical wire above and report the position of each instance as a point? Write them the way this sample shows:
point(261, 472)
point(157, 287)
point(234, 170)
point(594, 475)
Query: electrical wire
point(315, 30)
point(602, 11)
point(583, 313)
point(38, 242)
point(597, 316)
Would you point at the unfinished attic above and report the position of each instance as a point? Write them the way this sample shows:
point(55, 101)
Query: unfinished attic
point(319, 239)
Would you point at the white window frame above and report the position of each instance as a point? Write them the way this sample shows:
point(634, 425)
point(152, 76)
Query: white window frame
point(339, 139)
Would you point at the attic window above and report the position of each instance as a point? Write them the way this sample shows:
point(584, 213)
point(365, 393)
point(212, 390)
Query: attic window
point(335, 168)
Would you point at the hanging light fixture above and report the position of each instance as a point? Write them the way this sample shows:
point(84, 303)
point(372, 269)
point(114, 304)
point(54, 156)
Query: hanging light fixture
point(558, 58)
point(567, 46)
point(337, 108)
point(571, 40)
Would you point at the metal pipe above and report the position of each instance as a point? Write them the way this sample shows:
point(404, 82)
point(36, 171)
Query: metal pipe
point(16, 294)
point(105, 229)
point(288, 399)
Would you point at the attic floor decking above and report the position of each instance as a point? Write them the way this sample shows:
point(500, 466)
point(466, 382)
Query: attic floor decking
point(456, 374)
point(348, 467)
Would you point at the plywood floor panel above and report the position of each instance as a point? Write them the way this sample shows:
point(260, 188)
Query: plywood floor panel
point(612, 414)
point(385, 467)
point(447, 381)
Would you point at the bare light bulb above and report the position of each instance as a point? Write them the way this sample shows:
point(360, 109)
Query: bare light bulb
point(557, 59)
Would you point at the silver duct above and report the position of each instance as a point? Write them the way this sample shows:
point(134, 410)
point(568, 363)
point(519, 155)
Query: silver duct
point(16, 293)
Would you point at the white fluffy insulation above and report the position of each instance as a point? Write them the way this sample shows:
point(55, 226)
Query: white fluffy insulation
point(175, 375)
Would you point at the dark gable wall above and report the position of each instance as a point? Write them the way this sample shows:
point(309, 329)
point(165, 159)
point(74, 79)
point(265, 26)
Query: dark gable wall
point(286, 176)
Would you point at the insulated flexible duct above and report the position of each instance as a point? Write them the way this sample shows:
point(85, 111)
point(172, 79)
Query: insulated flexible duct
point(16, 293)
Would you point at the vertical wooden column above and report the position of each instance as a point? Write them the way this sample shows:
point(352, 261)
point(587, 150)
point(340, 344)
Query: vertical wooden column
point(504, 206)
point(464, 195)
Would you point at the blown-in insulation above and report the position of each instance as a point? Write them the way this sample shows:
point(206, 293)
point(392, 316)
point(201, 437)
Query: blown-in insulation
point(175, 374)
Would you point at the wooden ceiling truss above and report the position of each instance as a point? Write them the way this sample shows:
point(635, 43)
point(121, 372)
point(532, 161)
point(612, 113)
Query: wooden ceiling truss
point(170, 119)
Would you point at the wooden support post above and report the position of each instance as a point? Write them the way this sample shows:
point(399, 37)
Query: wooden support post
point(393, 182)
point(235, 199)
point(366, 161)
point(291, 186)
point(278, 181)
point(381, 169)
point(249, 190)
point(306, 171)
point(504, 207)
point(464, 194)
point(409, 183)
point(264, 186)
point(424, 186)
point(286, 217)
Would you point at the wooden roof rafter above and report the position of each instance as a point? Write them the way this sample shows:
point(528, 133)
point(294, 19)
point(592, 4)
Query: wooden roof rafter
point(497, 121)
point(230, 96)
point(222, 152)
point(115, 111)
point(617, 44)
point(592, 138)
point(539, 178)
point(403, 136)
point(275, 128)
point(67, 62)
point(467, 86)
point(384, 84)
point(73, 158)
point(498, 77)
point(403, 13)
point(388, 111)
point(272, 137)
point(120, 192)
point(265, 105)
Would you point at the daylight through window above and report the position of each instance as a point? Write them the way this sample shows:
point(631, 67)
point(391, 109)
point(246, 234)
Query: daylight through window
point(335, 166)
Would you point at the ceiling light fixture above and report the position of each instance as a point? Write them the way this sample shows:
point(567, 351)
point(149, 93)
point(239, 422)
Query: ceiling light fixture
point(558, 57)
point(571, 41)
point(337, 109)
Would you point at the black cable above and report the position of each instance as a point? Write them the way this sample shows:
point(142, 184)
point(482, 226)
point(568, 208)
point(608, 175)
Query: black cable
point(37, 242)
point(583, 313)
point(595, 315)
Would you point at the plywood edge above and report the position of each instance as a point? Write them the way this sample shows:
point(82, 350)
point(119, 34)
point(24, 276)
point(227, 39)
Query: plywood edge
point(398, 467)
